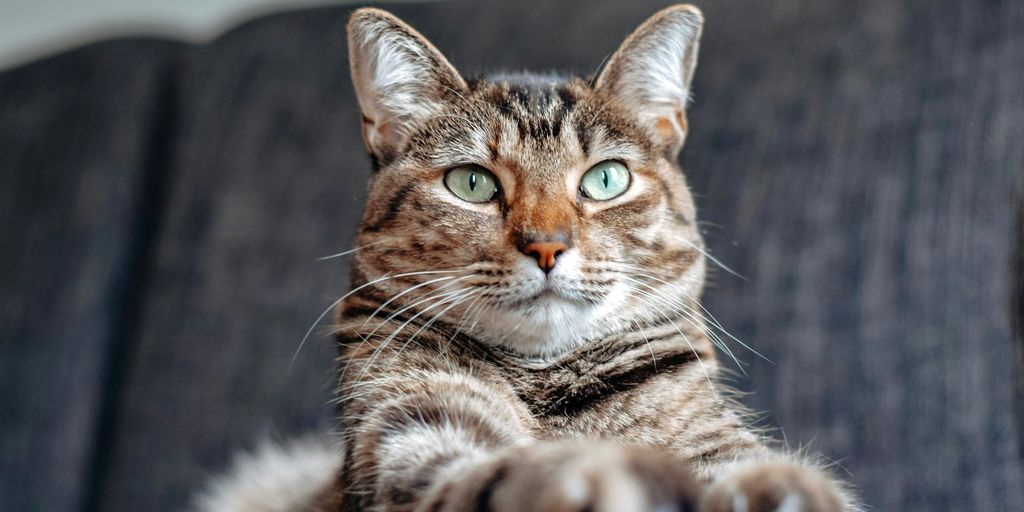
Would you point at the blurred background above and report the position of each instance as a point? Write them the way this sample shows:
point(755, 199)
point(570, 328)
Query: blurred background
point(171, 171)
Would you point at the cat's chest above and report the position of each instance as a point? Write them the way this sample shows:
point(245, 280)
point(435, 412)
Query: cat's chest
point(599, 388)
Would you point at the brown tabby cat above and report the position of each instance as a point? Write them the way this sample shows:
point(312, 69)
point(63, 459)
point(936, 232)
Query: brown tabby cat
point(525, 332)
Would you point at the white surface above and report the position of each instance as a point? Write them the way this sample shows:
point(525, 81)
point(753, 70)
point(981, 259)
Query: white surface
point(30, 29)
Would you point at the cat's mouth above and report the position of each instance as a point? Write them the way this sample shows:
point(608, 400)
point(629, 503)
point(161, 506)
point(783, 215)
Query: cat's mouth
point(547, 293)
point(550, 293)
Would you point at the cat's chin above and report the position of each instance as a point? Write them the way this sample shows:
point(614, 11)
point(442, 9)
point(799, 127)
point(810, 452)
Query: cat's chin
point(546, 326)
point(551, 315)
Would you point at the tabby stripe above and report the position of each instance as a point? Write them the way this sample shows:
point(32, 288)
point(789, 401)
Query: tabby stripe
point(589, 396)
point(583, 135)
point(392, 209)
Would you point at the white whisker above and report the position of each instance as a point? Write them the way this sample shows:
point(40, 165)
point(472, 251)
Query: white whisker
point(713, 259)
point(353, 250)
point(447, 297)
point(685, 338)
point(349, 294)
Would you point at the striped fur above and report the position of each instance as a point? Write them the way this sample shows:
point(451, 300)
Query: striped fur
point(471, 380)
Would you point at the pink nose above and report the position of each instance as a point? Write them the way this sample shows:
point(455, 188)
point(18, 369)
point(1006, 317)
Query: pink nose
point(546, 253)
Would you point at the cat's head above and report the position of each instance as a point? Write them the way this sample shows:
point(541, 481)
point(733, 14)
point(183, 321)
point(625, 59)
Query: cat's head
point(531, 211)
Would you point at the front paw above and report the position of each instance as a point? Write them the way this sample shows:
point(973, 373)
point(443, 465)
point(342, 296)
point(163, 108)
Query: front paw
point(566, 478)
point(772, 487)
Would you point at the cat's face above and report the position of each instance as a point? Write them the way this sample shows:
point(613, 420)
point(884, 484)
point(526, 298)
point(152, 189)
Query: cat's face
point(542, 212)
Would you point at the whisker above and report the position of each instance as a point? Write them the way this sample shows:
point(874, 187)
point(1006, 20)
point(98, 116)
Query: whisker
point(705, 315)
point(689, 316)
point(349, 294)
point(710, 318)
point(403, 292)
point(713, 259)
point(685, 338)
point(462, 320)
point(417, 303)
point(366, 337)
point(648, 342)
point(380, 348)
point(353, 250)
point(462, 298)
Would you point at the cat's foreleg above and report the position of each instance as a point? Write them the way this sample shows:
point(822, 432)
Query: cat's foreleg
point(408, 433)
point(447, 442)
point(764, 479)
point(775, 483)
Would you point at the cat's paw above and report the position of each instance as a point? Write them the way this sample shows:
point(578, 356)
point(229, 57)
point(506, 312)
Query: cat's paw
point(567, 478)
point(772, 487)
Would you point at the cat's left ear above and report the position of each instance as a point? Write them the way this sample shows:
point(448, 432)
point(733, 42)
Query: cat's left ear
point(400, 78)
point(650, 74)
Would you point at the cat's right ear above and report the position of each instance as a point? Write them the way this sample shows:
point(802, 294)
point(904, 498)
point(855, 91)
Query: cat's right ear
point(400, 78)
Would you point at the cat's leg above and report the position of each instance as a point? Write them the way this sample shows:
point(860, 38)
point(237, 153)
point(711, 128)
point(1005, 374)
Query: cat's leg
point(449, 441)
point(742, 474)
point(739, 471)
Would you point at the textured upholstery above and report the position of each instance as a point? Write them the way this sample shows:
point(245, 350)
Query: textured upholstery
point(163, 207)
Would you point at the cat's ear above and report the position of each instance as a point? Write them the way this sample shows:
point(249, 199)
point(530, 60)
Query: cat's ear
point(650, 74)
point(400, 78)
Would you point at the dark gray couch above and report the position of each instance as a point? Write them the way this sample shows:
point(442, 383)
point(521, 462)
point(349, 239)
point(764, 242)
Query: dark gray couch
point(162, 207)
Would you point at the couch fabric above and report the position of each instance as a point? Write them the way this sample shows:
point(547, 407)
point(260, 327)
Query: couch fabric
point(163, 207)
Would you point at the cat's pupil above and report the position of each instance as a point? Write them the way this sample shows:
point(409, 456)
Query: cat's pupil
point(472, 181)
point(604, 178)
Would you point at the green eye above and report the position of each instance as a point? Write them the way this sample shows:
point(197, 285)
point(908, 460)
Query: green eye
point(472, 184)
point(605, 181)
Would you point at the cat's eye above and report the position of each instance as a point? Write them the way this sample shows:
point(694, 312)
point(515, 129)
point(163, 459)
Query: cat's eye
point(604, 181)
point(471, 183)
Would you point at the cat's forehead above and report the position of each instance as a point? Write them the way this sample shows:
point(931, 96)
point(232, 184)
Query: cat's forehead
point(543, 102)
point(531, 122)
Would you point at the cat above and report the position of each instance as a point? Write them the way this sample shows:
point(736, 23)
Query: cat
point(524, 331)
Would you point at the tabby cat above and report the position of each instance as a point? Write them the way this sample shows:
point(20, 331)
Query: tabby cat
point(524, 331)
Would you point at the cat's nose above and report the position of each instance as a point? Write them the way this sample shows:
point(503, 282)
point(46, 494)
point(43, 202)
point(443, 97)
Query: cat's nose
point(546, 253)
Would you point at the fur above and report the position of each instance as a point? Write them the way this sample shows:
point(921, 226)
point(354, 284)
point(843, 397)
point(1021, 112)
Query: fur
point(274, 478)
point(472, 376)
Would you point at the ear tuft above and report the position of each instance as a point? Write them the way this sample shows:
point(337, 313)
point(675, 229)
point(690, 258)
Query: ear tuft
point(400, 78)
point(651, 73)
